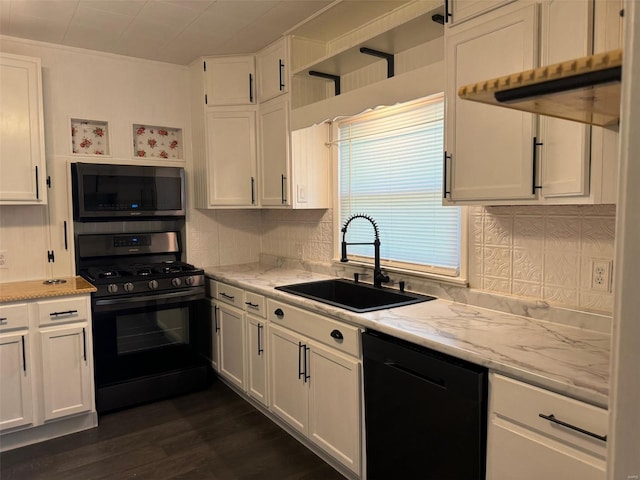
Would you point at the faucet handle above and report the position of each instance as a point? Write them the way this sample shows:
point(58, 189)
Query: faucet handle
point(357, 276)
point(401, 285)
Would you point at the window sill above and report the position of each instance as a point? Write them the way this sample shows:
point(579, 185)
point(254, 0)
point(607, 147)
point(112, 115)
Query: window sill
point(396, 274)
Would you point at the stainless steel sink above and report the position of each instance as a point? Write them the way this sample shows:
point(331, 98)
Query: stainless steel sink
point(356, 297)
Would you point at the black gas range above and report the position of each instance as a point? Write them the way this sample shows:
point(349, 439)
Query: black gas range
point(145, 320)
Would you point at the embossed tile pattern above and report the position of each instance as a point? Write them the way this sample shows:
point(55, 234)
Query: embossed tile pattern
point(542, 252)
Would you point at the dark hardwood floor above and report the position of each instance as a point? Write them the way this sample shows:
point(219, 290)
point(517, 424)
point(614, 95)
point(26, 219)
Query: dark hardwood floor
point(213, 434)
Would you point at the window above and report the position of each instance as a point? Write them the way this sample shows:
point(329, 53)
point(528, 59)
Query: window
point(390, 168)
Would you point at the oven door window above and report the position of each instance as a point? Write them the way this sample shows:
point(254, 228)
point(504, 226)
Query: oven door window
point(140, 331)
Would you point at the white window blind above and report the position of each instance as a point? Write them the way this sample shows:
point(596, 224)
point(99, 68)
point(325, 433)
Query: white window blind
point(391, 169)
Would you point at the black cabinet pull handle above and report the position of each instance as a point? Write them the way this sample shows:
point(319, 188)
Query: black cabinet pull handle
point(300, 371)
point(536, 144)
point(3, 321)
point(66, 240)
point(337, 334)
point(251, 88)
point(253, 191)
point(37, 184)
point(283, 183)
point(260, 349)
point(215, 318)
point(68, 312)
point(84, 344)
point(447, 14)
point(281, 73)
point(24, 356)
point(445, 192)
point(551, 417)
point(252, 305)
point(228, 297)
point(306, 374)
point(278, 313)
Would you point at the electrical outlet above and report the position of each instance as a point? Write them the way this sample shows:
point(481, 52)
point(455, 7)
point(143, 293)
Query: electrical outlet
point(601, 275)
point(3, 259)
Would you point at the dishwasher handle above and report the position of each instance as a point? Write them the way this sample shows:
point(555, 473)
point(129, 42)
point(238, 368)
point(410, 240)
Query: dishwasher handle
point(437, 382)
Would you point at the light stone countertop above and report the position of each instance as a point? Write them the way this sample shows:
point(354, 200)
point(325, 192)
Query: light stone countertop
point(34, 289)
point(565, 359)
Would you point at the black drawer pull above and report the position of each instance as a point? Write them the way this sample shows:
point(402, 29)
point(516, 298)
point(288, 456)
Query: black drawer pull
point(551, 417)
point(252, 305)
point(228, 297)
point(337, 334)
point(3, 321)
point(68, 312)
point(279, 313)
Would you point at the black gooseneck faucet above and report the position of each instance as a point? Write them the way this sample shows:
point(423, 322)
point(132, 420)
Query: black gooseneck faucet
point(378, 277)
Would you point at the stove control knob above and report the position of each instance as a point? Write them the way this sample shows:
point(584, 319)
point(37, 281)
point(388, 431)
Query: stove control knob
point(176, 282)
point(189, 280)
point(153, 284)
point(128, 287)
point(112, 288)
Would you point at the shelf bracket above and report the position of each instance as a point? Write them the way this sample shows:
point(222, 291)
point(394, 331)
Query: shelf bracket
point(387, 56)
point(328, 76)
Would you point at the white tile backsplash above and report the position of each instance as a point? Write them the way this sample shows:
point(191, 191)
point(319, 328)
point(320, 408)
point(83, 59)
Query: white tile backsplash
point(543, 253)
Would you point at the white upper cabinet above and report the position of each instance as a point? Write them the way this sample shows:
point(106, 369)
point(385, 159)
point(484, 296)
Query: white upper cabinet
point(496, 155)
point(273, 70)
point(295, 165)
point(489, 149)
point(232, 159)
point(230, 80)
point(22, 154)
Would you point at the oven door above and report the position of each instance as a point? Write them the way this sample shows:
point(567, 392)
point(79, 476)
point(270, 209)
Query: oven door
point(145, 335)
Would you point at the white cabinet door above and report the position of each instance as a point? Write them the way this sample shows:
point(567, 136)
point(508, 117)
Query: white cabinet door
point(16, 391)
point(289, 392)
point(230, 80)
point(275, 153)
point(334, 405)
point(490, 147)
point(232, 345)
point(257, 358)
point(22, 165)
point(565, 152)
point(520, 454)
point(66, 370)
point(273, 70)
point(231, 157)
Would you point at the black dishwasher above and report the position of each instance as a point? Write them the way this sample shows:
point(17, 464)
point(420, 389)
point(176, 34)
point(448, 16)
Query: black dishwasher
point(425, 412)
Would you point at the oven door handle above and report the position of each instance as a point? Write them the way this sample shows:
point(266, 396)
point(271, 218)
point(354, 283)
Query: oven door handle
point(188, 294)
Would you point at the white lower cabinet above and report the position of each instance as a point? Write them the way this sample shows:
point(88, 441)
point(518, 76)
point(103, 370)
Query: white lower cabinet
point(534, 434)
point(257, 359)
point(46, 370)
point(66, 374)
point(313, 387)
point(16, 388)
point(231, 330)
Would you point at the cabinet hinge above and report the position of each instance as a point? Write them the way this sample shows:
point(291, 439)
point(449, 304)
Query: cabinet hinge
point(205, 99)
point(50, 256)
point(205, 66)
point(49, 181)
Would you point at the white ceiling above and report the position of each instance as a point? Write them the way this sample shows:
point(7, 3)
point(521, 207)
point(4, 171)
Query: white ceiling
point(174, 31)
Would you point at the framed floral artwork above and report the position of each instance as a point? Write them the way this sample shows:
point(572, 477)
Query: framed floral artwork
point(152, 141)
point(90, 137)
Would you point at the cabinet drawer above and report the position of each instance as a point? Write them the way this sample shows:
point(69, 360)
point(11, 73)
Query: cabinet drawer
point(521, 403)
point(14, 316)
point(316, 327)
point(255, 304)
point(64, 310)
point(231, 295)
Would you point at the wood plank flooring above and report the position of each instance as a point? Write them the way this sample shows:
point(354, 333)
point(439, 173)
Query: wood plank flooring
point(213, 434)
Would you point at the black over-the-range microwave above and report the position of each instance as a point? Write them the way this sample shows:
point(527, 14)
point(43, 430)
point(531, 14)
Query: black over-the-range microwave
point(103, 192)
